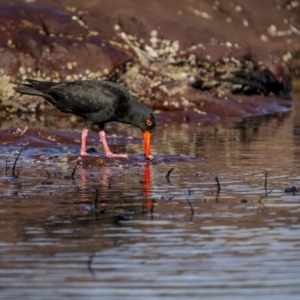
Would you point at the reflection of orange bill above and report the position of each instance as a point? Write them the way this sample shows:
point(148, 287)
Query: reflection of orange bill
point(147, 187)
point(147, 144)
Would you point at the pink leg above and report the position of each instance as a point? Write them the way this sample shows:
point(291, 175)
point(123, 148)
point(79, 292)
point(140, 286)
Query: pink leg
point(105, 146)
point(84, 134)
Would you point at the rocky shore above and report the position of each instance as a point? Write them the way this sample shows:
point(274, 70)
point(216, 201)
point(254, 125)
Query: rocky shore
point(214, 58)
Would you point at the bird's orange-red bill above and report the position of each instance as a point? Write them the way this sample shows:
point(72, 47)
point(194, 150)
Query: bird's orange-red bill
point(147, 144)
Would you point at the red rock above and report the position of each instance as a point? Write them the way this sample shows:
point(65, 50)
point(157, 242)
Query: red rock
point(164, 52)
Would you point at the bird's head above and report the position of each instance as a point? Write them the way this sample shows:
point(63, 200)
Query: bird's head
point(139, 115)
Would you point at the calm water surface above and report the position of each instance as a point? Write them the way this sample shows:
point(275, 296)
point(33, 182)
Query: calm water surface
point(125, 231)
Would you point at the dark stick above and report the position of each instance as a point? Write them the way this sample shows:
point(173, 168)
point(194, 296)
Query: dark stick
point(218, 183)
point(6, 165)
point(152, 210)
point(266, 181)
point(48, 175)
point(192, 208)
point(96, 199)
point(89, 264)
point(168, 174)
point(73, 173)
point(13, 169)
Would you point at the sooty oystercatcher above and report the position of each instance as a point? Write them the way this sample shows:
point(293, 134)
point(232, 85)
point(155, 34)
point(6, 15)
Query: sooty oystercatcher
point(97, 102)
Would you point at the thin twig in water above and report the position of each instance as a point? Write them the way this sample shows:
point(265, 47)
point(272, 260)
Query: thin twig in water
point(48, 174)
point(168, 174)
point(218, 184)
point(89, 264)
point(6, 168)
point(192, 208)
point(266, 181)
point(152, 210)
point(14, 167)
point(74, 170)
point(96, 199)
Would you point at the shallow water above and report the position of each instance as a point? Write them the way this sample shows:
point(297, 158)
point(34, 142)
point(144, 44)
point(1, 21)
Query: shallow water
point(121, 229)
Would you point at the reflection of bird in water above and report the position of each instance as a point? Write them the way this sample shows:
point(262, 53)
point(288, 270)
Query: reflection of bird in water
point(97, 102)
point(103, 181)
point(102, 191)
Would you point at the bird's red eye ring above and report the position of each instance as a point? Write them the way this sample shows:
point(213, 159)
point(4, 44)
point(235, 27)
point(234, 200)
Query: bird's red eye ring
point(149, 123)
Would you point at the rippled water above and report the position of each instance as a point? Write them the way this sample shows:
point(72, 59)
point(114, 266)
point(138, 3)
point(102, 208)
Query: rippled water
point(125, 231)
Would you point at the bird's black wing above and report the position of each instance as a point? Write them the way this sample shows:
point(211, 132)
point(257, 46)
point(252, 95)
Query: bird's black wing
point(85, 97)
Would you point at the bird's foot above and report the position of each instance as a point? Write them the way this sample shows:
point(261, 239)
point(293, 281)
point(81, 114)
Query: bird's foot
point(107, 154)
point(110, 154)
point(85, 154)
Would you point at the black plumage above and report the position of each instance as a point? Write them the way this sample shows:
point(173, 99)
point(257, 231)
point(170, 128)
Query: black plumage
point(97, 102)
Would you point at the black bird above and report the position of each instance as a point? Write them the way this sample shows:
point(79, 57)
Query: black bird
point(97, 102)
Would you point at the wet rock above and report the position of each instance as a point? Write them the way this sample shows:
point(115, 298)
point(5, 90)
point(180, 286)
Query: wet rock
point(186, 57)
